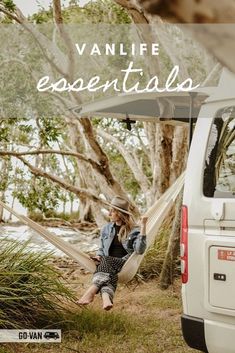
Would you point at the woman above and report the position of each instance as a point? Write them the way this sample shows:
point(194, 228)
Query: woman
point(118, 240)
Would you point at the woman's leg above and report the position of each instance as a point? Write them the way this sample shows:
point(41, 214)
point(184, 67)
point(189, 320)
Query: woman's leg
point(112, 265)
point(104, 280)
point(100, 278)
point(89, 295)
point(107, 303)
point(107, 292)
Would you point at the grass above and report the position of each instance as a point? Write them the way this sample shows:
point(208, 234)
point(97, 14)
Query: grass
point(39, 216)
point(31, 292)
point(144, 319)
point(151, 265)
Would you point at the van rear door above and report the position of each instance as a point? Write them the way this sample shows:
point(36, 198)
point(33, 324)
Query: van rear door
point(219, 224)
point(222, 269)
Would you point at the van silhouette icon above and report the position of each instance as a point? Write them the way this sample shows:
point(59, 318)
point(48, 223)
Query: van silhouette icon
point(50, 334)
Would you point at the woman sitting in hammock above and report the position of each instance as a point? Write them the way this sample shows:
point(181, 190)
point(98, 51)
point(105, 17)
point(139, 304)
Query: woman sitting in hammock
point(118, 240)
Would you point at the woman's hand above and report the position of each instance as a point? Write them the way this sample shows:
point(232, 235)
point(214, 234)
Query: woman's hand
point(143, 223)
point(144, 220)
point(96, 258)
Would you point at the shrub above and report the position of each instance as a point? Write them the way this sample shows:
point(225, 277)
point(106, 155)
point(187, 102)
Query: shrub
point(152, 263)
point(31, 291)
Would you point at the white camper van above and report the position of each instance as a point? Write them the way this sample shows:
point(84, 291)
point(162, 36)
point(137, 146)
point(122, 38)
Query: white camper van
point(208, 226)
point(208, 212)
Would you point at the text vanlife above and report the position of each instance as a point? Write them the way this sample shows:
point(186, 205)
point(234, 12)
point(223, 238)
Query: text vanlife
point(118, 49)
point(62, 85)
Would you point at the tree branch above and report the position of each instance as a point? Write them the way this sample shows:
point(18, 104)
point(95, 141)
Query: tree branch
point(101, 156)
point(9, 14)
point(212, 75)
point(81, 193)
point(80, 156)
point(145, 32)
point(137, 172)
point(58, 18)
point(43, 42)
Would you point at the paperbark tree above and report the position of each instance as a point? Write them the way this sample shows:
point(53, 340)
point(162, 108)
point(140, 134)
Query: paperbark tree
point(94, 169)
point(166, 144)
point(64, 64)
point(131, 161)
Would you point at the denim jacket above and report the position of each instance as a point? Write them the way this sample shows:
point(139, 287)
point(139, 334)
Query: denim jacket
point(133, 242)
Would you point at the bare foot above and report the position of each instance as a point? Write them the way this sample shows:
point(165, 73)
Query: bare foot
point(86, 299)
point(107, 304)
point(108, 307)
point(89, 295)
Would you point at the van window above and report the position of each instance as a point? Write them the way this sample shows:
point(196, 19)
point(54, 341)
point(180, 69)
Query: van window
point(219, 172)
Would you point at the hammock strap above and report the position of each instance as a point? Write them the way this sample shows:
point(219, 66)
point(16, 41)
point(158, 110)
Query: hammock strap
point(59, 243)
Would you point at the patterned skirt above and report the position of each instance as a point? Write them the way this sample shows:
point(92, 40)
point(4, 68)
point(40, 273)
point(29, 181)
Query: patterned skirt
point(106, 274)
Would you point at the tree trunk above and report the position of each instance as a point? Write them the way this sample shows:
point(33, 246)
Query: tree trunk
point(85, 179)
point(1, 208)
point(163, 157)
point(12, 206)
point(100, 219)
point(145, 33)
point(179, 152)
point(4, 178)
point(169, 265)
point(131, 161)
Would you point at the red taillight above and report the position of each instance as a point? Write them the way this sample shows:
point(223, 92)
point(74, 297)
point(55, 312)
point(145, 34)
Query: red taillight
point(184, 244)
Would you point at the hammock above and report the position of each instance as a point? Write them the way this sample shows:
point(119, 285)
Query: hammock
point(155, 214)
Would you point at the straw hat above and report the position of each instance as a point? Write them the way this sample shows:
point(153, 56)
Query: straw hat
point(120, 204)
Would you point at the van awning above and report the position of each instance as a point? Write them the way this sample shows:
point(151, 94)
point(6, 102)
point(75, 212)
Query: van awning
point(147, 106)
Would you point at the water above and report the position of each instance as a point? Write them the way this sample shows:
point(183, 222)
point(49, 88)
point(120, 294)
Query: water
point(21, 233)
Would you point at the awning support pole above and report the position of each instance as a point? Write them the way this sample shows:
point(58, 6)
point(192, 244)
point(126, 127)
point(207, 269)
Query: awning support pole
point(191, 106)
